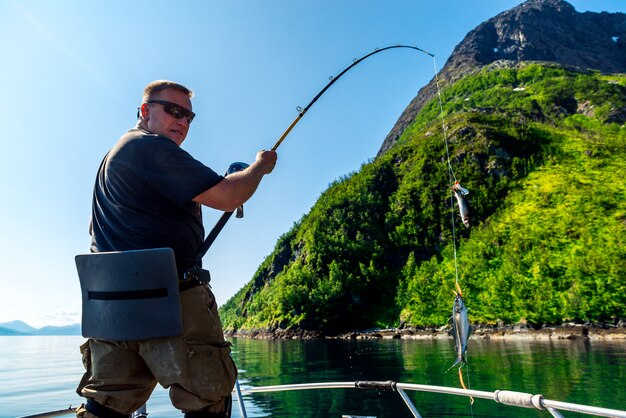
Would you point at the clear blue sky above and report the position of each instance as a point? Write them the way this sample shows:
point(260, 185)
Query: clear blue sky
point(71, 77)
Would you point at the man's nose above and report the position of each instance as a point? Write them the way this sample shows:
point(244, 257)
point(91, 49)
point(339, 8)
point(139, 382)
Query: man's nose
point(183, 121)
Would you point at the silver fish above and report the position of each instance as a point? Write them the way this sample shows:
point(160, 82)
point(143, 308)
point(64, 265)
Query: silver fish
point(463, 208)
point(461, 330)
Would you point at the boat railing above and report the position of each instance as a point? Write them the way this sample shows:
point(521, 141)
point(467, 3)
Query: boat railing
point(505, 397)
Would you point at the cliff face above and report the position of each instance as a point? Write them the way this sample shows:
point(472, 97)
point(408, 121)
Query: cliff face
point(536, 30)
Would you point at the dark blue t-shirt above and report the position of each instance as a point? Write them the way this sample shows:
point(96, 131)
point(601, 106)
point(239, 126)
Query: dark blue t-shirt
point(143, 198)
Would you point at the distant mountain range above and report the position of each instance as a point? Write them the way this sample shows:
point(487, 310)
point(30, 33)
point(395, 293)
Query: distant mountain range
point(22, 328)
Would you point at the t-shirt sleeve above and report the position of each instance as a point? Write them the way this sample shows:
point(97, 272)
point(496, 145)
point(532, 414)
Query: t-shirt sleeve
point(177, 175)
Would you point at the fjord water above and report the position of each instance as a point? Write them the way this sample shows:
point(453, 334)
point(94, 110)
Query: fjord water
point(40, 374)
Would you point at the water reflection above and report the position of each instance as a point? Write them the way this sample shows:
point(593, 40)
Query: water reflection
point(40, 374)
point(568, 370)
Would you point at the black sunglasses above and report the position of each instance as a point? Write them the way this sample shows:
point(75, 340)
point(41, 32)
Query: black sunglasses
point(176, 111)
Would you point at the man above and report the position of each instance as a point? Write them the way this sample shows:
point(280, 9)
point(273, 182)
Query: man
point(148, 194)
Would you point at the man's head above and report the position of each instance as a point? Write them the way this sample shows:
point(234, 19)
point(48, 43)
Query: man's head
point(166, 110)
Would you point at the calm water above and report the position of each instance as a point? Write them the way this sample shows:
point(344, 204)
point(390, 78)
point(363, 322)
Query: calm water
point(40, 374)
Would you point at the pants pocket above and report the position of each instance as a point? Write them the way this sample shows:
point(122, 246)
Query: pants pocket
point(212, 371)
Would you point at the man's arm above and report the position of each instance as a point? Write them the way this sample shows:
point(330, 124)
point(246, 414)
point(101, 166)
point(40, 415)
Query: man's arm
point(235, 189)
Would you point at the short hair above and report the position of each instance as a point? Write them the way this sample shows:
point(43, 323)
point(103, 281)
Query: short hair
point(160, 85)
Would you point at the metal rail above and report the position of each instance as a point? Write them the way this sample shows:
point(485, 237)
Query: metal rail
point(519, 399)
point(505, 397)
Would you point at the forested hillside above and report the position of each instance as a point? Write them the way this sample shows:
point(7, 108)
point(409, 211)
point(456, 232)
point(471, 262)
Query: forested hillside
point(542, 151)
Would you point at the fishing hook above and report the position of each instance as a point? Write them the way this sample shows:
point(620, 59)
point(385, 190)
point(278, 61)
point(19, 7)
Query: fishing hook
point(333, 80)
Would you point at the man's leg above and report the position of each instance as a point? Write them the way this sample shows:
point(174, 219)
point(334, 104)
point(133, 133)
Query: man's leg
point(116, 381)
point(197, 367)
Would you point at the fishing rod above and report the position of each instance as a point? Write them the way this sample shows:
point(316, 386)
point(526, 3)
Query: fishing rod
point(333, 80)
point(301, 112)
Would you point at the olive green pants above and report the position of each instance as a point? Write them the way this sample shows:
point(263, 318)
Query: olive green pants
point(196, 367)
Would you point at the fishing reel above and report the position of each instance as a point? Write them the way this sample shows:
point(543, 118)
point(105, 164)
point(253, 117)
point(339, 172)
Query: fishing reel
point(233, 168)
point(236, 166)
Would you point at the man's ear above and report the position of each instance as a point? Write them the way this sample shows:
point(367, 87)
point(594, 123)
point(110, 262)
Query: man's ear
point(144, 111)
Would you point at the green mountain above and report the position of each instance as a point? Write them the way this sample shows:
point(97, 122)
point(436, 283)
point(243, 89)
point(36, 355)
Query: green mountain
point(541, 149)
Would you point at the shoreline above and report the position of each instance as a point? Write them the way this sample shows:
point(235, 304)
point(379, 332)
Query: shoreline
point(514, 332)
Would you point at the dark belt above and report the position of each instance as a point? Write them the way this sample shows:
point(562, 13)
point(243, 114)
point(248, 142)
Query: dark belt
point(102, 411)
point(194, 277)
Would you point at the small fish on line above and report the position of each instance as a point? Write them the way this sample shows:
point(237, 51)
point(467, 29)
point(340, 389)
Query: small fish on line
point(461, 331)
point(460, 191)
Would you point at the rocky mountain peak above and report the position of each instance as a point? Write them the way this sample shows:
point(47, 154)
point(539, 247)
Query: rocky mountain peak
point(536, 30)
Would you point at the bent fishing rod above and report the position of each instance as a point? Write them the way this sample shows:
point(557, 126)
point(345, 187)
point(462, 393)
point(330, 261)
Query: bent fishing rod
point(332, 81)
point(238, 166)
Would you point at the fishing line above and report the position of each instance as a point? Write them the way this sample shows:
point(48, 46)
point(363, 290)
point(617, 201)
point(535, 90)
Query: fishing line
point(451, 176)
point(452, 182)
